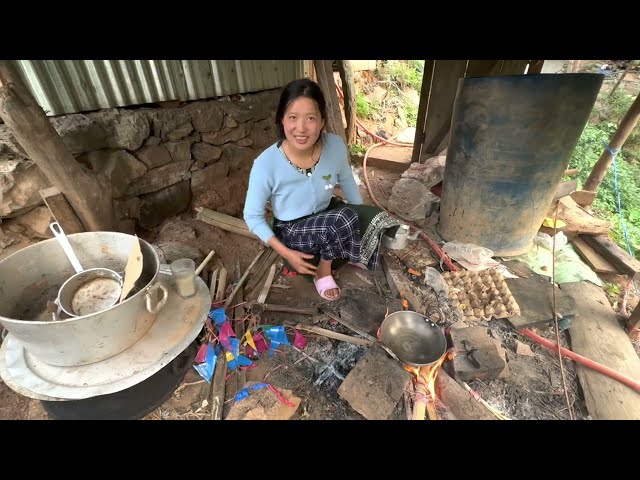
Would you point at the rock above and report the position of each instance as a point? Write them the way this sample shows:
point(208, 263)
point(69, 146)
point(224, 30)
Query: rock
point(80, 133)
point(20, 184)
point(177, 231)
point(206, 116)
point(161, 177)
point(164, 203)
point(119, 166)
point(125, 129)
point(179, 151)
point(153, 155)
point(37, 222)
point(206, 153)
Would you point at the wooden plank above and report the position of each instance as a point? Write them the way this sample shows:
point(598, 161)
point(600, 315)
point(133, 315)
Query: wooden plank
point(483, 68)
point(396, 159)
point(218, 387)
point(324, 70)
point(513, 67)
point(535, 66)
point(597, 335)
point(458, 401)
point(634, 319)
point(578, 220)
point(583, 197)
point(261, 267)
point(425, 90)
point(444, 88)
point(225, 222)
point(591, 257)
point(398, 282)
point(564, 189)
point(61, 210)
point(349, 92)
point(613, 254)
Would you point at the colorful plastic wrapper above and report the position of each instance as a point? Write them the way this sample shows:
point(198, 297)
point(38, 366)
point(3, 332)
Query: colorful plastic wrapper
point(277, 337)
point(218, 315)
point(207, 368)
point(261, 344)
point(250, 341)
point(226, 333)
point(299, 340)
point(244, 393)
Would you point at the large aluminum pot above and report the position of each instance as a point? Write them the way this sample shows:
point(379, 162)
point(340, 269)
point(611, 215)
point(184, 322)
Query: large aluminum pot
point(32, 276)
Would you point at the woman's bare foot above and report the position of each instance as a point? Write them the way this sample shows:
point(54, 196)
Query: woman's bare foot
point(324, 270)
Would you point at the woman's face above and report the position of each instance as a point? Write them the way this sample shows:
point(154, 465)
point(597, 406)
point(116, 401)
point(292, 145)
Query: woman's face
point(302, 124)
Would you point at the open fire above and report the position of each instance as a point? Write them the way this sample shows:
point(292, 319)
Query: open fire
point(424, 381)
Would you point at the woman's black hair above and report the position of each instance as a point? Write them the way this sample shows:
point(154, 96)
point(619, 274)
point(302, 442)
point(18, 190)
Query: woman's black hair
point(302, 87)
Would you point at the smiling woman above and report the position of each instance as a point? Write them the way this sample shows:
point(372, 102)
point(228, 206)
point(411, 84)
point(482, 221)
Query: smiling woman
point(312, 228)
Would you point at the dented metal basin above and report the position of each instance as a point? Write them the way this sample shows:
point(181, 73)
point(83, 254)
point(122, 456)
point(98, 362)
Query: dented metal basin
point(32, 276)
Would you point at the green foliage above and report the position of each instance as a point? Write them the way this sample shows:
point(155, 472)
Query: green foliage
point(362, 106)
point(357, 149)
point(612, 289)
point(405, 73)
point(585, 155)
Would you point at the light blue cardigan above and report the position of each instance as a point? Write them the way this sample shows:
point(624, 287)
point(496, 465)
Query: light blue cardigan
point(291, 193)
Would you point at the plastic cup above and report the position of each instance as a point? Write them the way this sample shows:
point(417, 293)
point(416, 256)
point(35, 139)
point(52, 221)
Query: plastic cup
point(184, 275)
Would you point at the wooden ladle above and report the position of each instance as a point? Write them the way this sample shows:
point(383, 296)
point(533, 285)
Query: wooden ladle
point(133, 269)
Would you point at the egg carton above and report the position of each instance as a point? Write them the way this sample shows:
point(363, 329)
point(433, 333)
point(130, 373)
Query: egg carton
point(481, 295)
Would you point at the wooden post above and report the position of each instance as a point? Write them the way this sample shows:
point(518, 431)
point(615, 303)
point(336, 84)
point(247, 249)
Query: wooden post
point(89, 196)
point(425, 91)
point(634, 319)
point(349, 90)
point(324, 70)
point(625, 128)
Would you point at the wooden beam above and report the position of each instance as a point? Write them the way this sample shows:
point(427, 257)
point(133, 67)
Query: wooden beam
point(88, 194)
point(218, 387)
point(591, 257)
point(324, 70)
point(444, 88)
point(513, 67)
point(483, 68)
point(427, 76)
point(597, 334)
point(634, 319)
point(61, 210)
point(611, 252)
point(349, 91)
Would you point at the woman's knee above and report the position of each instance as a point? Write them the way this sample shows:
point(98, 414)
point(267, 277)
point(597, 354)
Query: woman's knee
point(346, 216)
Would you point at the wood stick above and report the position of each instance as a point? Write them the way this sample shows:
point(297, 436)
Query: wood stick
point(239, 284)
point(213, 282)
point(350, 327)
point(218, 387)
point(267, 285)
point(225, 222)
point(271, 257)
point(204, 263)
point(334, 335)
point(222, 284)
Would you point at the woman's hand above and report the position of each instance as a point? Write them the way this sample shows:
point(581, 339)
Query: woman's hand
point(298, 261)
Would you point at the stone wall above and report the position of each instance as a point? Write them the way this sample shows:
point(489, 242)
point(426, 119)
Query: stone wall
point(160, 161)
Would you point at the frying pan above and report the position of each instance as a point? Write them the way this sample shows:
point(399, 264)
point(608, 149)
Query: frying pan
point(413, 338)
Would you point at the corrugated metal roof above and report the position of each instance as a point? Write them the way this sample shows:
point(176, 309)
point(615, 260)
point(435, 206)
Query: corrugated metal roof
point(70, 86)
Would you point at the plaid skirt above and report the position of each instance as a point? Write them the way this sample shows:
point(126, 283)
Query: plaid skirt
point(342, 231)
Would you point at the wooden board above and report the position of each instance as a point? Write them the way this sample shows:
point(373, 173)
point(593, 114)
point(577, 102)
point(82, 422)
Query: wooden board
point(61, 210)
point(535, 299)
point(398, 281)
point(578, 220)
point(596, 334)
point(591, 257)
point(444, 87)
point(396, 159)
point(583, 197)
point(613, 254)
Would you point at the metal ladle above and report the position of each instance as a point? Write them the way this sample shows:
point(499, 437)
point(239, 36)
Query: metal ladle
point(88, 291)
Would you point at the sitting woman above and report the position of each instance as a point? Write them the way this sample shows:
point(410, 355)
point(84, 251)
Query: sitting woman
point(297, 175)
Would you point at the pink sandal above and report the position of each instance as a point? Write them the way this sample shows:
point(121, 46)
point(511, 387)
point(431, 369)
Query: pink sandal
point(326, 283)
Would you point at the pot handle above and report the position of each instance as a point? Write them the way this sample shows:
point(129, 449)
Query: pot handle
point(148, 299)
